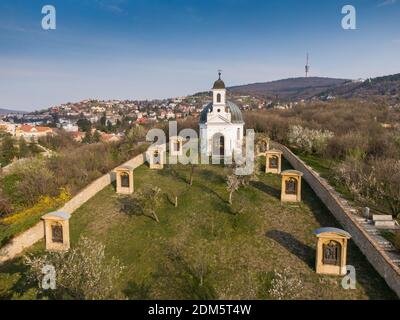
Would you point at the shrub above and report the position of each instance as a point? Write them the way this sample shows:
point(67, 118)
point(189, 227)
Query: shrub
point(35, 180)
point(285, 285)
point(8, 187)
point(348, 145)
point(135, 134)
point(8, 150)
point(309, 140)
point(59, 141)
point(275, 126)
point(145, 202)
point(82, 273)
point(5, 205)
point(376, 182)
point(69, 169)
point(44, 204)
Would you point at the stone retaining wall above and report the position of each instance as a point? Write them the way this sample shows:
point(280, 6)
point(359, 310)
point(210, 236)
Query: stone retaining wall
point(29, 237)
point(378, 258)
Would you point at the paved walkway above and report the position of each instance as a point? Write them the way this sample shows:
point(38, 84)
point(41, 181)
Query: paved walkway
point(375, 234)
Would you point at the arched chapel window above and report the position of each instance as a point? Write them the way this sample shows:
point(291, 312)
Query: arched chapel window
point(218, 97)
point(156, 156)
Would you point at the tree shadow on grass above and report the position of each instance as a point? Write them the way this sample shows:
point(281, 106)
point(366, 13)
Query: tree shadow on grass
point(183, 279)
point(170, 171)
point(286, 165)
point(294, 246)
point(130, 208)
point(6, 240)
point(367, 277)
point(211, 191)
point(19, 271)
point(225, 207)
point(211, 176)
point(321, 213)
point(220, 204)
point(273, 192)
point(137, 291)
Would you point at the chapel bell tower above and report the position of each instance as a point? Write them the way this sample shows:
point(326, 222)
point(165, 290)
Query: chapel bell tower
point(219, 92)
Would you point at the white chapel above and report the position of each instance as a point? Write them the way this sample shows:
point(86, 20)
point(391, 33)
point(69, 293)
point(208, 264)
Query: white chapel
point(221, 124)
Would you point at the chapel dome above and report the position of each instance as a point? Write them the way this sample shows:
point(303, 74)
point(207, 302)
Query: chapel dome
point(236, 114)
point(219, 84)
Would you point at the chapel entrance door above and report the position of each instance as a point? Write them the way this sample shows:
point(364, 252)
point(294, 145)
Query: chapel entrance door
point(222, 146)
point(218, 145)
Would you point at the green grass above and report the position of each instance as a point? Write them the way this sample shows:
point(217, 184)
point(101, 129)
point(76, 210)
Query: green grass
point(391, 237)
point(205, 248)
point(324, 168)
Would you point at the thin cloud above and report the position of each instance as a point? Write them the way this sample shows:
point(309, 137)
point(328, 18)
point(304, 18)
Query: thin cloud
point(114, 6)
point(387, 3)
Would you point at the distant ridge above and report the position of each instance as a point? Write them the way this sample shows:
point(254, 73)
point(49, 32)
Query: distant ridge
point(293, 88)
point(386, 86)
point(7, 111)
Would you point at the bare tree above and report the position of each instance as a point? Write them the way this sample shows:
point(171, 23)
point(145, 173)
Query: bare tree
point(245, 180)
point(376, 183)
point(5, 205)
point(233, 185)
point(192, 169)
point(174, 199)
point(147, 201)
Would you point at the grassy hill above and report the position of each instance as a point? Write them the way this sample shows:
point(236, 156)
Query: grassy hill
point(207, 249)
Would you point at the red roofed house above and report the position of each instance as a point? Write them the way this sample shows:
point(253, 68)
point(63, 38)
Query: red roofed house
point(28, 132)
point(109, 137)
point(78, 135)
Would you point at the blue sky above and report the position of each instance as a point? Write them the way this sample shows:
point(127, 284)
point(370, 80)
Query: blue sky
point(144, 49)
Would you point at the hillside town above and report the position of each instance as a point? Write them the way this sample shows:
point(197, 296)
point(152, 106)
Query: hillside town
point(111, 118)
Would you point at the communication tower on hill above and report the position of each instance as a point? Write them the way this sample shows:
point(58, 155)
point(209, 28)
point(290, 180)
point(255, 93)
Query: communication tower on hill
point(307, 66)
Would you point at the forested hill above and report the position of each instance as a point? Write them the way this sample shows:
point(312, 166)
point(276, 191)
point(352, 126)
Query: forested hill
point(293, 88)
point(7, 111)
point(387, 87)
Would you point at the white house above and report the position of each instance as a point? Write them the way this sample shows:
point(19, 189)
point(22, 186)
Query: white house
point(221, 124)
point(69, 127)
point(8, 127)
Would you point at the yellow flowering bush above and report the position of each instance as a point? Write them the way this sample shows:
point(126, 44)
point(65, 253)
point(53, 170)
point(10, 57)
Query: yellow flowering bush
point(42, 206)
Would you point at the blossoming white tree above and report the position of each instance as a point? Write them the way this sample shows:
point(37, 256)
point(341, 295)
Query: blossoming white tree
point(309, 140)
point(82, 273)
